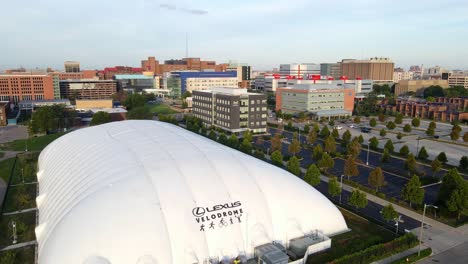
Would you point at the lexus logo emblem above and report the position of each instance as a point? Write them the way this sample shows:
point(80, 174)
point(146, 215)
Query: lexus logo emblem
point(198, 211)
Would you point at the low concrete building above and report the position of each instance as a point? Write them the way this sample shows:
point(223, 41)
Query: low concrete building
point(417, 86)
point(87, 89)
point(458, 80)
point(88, 104)
point(232, 109)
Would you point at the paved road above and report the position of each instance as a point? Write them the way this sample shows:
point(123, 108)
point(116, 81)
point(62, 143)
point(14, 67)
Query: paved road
point(455, 255)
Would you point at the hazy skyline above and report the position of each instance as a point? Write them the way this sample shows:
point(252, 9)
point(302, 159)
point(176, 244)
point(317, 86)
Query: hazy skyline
point(259, 32)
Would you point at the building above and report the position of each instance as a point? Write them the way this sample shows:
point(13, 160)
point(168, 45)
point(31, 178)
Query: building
point(84, 104)
point(185, 64)
point(179, 82)
point(134, 82)
point(458, 80)
point(417, 86)
point(18, 87)
point(87, 89)
point(331, 69)
point(109, 72)
point(299, 70)
point(33, 104)
point(443, 109)
point(434, 73)
point(244, 73)
point(380, 70)
point(174, 196)
point(72, 66)
point(401, 75)
point(233, 110)
point(321, 99)
point(4, 108)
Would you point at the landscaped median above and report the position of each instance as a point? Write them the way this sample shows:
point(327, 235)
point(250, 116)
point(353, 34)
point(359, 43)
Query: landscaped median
point(380, 251)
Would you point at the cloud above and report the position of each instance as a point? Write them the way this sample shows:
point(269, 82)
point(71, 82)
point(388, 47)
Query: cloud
point(183, 9)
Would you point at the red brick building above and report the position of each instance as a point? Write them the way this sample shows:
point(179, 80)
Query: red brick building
point(443, 109)
point(18, 87)
point(110, 72)
point(195, 64)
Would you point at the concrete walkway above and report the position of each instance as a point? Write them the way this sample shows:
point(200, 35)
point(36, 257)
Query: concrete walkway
point(20, 211)
point(19, 245)
point(9, 154)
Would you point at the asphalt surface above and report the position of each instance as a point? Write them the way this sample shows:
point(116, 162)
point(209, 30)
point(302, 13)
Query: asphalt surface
point(458, 254)
point(393, 170)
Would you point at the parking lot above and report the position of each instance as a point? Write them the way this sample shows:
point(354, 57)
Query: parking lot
point(11, 133)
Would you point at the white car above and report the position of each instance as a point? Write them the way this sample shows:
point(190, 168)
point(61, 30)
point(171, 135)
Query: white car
point(338, 127)
point(353, 126)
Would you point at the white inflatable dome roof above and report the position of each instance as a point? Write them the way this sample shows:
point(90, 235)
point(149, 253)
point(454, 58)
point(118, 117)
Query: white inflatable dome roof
point(151, 192)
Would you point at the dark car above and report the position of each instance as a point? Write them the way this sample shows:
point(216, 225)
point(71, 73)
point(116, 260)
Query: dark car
point(436, 136)
point(365, 129)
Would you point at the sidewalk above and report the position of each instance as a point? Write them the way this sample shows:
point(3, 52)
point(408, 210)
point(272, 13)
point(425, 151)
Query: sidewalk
point(399, 255)
point(19, 245)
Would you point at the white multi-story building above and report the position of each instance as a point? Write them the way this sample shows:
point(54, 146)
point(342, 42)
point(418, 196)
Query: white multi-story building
point(402, 76)
point(458, 80)
point(300, 70)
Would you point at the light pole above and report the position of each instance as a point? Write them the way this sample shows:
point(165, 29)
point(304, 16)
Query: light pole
point(397, 221)
point(367, 160)
point(417, 146)
point(422, 225)
point(341, 186)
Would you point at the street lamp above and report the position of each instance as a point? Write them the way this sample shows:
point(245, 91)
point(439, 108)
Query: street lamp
point(367, 160)
point(422, 225)
point(417, 146)
point(341, 186)
point(397, 221)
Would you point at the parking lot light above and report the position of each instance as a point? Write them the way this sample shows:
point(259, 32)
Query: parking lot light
point(422, 225)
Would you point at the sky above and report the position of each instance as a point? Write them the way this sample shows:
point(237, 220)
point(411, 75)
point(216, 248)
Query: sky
point(262, 33)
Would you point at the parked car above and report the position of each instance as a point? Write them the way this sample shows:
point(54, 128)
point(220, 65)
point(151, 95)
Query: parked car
point(365, 129)
point(353, 126)
point(338, 127)
point(436, 136)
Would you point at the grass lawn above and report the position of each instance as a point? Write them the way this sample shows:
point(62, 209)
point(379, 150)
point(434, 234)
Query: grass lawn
point(363, 234)
point(34, 143)
point(18, 256)
point(5, 168)
point(2, 154)
point(26, 167)
point(25, 224)
point(20, 197)
point(160, 109)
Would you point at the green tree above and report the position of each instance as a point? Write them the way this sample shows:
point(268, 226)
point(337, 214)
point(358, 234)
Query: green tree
point(346, 136)
point(357, 120)
point(325, 162)
point(184, 104)
point(331, 123)
point(410, 164)
point(412, 192)
point(330, 145)
point(316, 128)
point(415, 122)
point(350, 168)
point(422, 155)
point(354, 148)
point(456, 130)
point(99, 118)
point(385, 156)
point(140, 113)
point(306, 129)
point(399, 135)
point(389, 145)
point(383, 133)
point(407, 128)
point(246, 146)
point(276, 142)
point(430, 131)
point(450, 182)
point(248, 135)
point(464, 163)
point(134, 100)
point(277, 158)
point(223, 138)
point(360, 139)
point(233, 141)
point(458, 201)
point(335, 133)
point(465, 137)
point(294, 166)
point(373, 122)
point(312, 137)
point(433, 91)
point(186, 94)
point(212, 134)
point(391, 125)
point(358, 199)
point(433, 125)
point(333, 187)
point(317, 152)
point(389, 213)
point(374, 143)
point(312, 175)
point(51, 118)
point(376, 178)
point(381, 117)
point(442, 157)
point(325, 132)
point(295, 146)
point(404, 151)
point(436, 165)
point(399, 119)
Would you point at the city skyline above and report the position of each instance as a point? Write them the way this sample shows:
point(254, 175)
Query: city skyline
point(261, 33)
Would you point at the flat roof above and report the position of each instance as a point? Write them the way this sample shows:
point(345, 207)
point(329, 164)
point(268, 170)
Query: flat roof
point(132, 76)
point(332, 112)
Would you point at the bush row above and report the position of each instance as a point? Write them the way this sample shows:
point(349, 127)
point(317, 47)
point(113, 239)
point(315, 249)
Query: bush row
point(414, 257)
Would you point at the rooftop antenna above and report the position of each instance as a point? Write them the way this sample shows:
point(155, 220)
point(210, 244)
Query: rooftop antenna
point(186, 45)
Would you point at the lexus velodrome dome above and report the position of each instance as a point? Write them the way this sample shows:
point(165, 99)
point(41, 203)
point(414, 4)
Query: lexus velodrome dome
point(151, 192)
